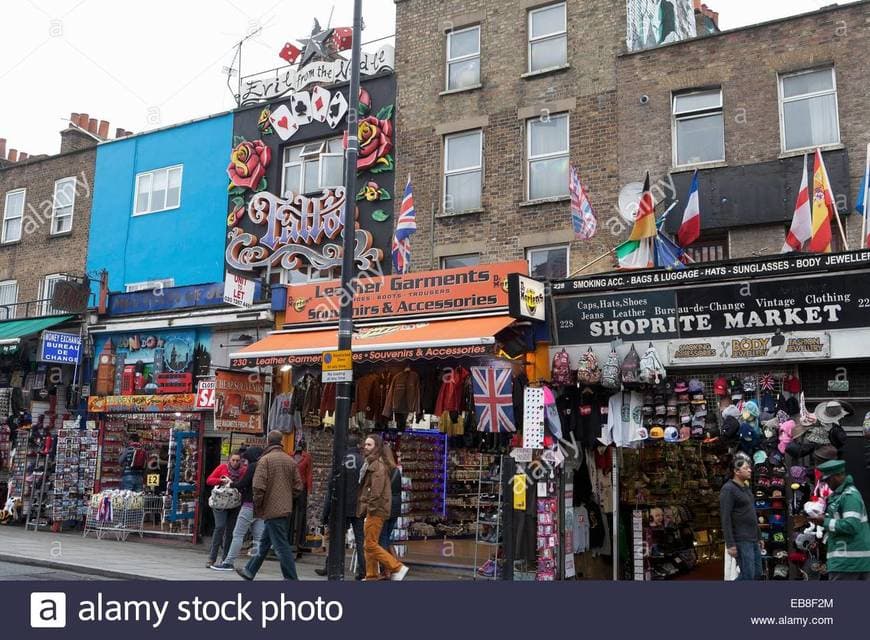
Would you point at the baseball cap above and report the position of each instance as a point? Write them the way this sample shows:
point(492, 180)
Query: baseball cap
point(720, 386)
point(656, 433)
point(672, 435)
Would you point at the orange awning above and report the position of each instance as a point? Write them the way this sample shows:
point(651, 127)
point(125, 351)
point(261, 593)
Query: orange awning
point(405, 341)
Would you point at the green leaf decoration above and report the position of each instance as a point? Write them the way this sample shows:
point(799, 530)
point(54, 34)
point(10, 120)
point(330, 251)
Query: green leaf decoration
point(379, 215)
point(238, 201)
point(385, 195)
point(385, 113)
point(237, 140)
point(362, 194)
point(262, 186)
point(234, 190)
point(384, 164)
point(363, 109)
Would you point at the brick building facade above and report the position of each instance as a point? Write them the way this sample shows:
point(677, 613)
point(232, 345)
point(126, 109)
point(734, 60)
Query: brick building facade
point(465, 71)
point(751, 192)
point(45, 220)
point(509, 96)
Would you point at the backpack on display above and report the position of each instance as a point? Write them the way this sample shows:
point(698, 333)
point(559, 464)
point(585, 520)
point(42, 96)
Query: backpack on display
point(630, 369)
point(610, 371)
point(561, 369)
point(652, 371)
point(588, 371)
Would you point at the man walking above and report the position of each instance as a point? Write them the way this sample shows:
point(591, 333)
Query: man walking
point(739, 520)
point(353, 462)
point(845, 521)
point(276, 481)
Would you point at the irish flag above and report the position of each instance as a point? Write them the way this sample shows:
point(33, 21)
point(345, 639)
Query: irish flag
point(638, 252)
point(823, 208)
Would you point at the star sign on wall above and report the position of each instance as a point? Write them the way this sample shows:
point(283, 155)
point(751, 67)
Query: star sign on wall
point(318, 45)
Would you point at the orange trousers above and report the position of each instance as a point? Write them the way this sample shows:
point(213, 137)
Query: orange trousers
point(375, 553)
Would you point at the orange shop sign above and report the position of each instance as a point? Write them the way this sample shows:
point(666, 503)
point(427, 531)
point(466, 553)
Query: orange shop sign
point(427, 293)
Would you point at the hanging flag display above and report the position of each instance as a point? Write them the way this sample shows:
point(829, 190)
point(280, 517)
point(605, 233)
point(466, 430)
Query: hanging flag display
point(645, 220)
point(823, 208)
point(639, 251)
point(493, 399)
point(406, 225)
point(582, 215)
point(690, 229)
point(801, 229)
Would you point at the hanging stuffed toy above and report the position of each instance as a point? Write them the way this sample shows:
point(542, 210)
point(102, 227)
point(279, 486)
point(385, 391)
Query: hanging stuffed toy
point(652, 371)
point(750, 432)
point(785, 431)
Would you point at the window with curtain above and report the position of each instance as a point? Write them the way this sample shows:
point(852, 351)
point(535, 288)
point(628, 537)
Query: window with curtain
point(547, 157)
point(699, 127)
point(808, 109)
point(463, 58)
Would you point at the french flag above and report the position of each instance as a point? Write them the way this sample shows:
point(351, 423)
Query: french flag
point(690, 229)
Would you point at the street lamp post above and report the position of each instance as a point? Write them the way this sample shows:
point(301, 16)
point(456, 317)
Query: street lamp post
point(337, 519)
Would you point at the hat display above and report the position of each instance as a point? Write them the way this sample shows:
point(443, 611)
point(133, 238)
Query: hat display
point(791, 384)
point(656, 433)
point(685, 433)
point(681, 386)
point(759, 457)
point(749, 384)
point(830, 412)
point(642, 433)
point(831, 468)
point(696, 386)
point(720, 386)
point(672, 435)
point(752, 408)
point(827, 452)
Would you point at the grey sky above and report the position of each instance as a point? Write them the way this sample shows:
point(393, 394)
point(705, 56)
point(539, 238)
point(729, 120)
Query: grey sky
point(153, 64)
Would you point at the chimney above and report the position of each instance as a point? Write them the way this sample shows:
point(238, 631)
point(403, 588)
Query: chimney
point(103, 130)
point(92, 125)
point(83, 121)
point(2, 148)
point(13, 155)
point(706, 20)
point(22, 157)
point(74, 118)
point(119, 133)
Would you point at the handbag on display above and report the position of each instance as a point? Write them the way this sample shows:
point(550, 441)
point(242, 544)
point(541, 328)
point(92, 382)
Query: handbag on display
point(224, 498)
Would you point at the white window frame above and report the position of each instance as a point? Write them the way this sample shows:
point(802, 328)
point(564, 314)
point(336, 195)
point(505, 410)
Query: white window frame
point(547, 156)
point(478, 168)
point(54, 207)
point(550, 247)
point(46, 289)
point(546, 36)
point(692, 115)
point(150, 174)
point(782, 100)
point(465, 58)
point(8, 312)
point(444, 259)
point(6, 218)
point(307, 271)
point(303, 159)
point(146, 285)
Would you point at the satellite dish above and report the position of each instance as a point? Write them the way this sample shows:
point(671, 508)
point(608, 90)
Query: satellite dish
point(629, 198)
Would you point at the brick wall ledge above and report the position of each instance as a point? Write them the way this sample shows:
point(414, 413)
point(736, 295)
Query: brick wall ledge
point(718, 164)
point(811, 150)
point(449, 92)
point(544, 72)
point(533, 203)
point(458, 214)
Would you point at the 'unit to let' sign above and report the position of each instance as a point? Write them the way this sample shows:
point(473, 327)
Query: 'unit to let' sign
point(238, 291)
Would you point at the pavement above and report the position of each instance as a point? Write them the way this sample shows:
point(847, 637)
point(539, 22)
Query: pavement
point(147, 558)
point(14, 571)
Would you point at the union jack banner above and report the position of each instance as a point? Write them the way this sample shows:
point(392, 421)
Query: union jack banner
point(582, 215)
point(406, 225)
point(493, 399)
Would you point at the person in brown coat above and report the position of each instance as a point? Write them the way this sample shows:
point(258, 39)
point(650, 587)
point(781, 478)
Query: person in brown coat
point(276, 482)
point(373, 504)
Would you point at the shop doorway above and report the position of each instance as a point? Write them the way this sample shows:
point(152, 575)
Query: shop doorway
point(211, 459)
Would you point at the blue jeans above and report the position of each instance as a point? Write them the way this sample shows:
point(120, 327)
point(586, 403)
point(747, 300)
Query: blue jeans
point(749, 561)
point(386, 533)
point(132, 481)
point(275, 535)
point(244, 523)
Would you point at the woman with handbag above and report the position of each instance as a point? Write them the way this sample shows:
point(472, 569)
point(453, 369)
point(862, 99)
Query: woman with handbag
point(225, 503)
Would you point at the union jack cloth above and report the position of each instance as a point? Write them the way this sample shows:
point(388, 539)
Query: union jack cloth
point(493, 399)
point(406, 225)
point(582, 215)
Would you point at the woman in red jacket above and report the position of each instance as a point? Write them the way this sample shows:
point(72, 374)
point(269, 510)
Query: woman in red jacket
point(224, 519)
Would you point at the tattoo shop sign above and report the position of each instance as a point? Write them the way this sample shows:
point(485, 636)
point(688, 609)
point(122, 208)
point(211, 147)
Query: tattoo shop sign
point(277, 83)
point(748, 348)
point(771, 307)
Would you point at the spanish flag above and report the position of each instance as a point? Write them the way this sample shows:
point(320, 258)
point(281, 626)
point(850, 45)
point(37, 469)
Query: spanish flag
point(823, 208)
point(645, 221)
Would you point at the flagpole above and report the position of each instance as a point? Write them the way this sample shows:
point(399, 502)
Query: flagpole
point(866, 198)
point(586, 266)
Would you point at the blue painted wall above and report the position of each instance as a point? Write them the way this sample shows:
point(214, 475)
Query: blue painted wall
point(186, 243)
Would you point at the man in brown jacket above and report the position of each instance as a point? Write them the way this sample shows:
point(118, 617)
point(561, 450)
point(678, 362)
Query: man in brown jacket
point(276, 482)
point(373, 504)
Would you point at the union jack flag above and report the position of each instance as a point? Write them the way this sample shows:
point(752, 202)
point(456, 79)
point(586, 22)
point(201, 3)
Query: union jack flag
point(582, 215)
point(406, 225)
point(493, 399)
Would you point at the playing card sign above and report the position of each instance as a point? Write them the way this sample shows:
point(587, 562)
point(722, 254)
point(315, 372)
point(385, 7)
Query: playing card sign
point(337, 109)
point(300, 107)
point(320, 98)
point(283, 122)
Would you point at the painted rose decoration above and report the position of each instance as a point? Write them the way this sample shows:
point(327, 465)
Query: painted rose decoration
point(375, 134)
point(373, 192)
point(248, 163)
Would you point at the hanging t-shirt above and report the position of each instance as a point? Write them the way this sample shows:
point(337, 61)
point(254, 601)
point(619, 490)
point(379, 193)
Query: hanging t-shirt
point(581, 529)
point(624, 419)
point(281, 413)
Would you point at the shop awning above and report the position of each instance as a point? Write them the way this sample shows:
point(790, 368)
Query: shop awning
point(407, 341)
point(13, 330)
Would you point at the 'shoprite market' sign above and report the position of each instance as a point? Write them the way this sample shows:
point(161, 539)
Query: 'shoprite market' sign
point(447, 291)
point(807, 303)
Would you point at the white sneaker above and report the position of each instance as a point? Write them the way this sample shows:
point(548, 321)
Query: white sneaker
point(400, 574)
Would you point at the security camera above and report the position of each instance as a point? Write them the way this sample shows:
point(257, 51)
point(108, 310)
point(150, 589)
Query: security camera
point(644, 99)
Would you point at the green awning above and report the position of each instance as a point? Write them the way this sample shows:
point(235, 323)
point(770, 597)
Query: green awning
point(15, 329)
